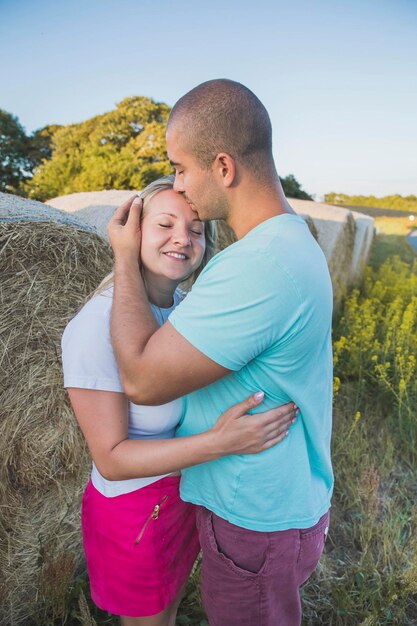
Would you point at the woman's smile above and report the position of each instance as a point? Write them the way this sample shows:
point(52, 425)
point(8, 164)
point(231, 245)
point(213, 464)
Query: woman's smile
point(177, 255)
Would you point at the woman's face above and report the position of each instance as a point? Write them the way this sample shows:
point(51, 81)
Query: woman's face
point(173, 241)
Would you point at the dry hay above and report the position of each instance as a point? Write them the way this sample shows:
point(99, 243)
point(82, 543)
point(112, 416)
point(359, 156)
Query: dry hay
point(49, 263)
point(364, 238)
point(225, 235)
point(340, 262)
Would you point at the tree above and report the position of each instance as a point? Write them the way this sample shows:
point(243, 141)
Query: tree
point(41, 143)
point(395, 202)
point(293, 189)
point(15, 160)
point(122, 149)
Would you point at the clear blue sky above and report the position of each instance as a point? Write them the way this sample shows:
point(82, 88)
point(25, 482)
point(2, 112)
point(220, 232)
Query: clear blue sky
point(339, 78)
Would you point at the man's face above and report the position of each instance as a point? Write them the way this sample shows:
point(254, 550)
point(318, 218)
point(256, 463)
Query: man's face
point(195, 183)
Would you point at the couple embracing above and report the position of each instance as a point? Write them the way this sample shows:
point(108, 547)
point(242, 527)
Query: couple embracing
point(230, 385)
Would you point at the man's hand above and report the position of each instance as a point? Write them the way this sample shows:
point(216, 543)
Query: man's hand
point(124, 229)
point(145, 355)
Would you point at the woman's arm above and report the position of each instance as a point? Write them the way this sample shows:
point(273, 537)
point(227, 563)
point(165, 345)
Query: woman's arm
point(102, 416)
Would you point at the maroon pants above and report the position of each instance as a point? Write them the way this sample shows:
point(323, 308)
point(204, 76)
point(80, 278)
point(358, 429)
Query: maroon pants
point(251, 578)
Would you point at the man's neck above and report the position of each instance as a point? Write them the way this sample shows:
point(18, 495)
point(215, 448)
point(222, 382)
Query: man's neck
point(253, 204)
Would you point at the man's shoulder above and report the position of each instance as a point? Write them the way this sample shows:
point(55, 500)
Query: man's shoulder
point(280, 229)
point(279, 257)
point(272, 246)
point(239, 262)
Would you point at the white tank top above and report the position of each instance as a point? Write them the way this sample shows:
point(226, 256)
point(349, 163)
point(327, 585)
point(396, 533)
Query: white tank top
point(89, 363)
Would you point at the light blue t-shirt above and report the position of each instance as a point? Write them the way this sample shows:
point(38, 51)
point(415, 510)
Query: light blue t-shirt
point(263, 309)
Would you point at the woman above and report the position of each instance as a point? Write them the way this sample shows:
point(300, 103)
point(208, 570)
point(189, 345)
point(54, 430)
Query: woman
point(139, 537)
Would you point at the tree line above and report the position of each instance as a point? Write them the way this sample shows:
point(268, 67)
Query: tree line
point(395, 202)
point(122, 149)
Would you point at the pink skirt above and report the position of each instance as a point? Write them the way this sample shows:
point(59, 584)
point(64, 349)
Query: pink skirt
point(140, 547)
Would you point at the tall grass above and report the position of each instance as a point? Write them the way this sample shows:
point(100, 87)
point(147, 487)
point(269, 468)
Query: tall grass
point(391, 240)
point(368, 575)
point(376, 347)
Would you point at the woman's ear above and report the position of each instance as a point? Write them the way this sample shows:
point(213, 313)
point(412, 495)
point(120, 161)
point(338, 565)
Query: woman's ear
point(224, 167)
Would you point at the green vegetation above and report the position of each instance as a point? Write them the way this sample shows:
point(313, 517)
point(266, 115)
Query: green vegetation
point(396, 202)
point(122, 149)
point(376, 345)
point(20, 153)
point(14, 162)
point(391, 240)
point(293, 189)
point(369, 573)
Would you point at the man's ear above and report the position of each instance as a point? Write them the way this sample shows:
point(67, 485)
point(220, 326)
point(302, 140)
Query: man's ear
point(224, 167)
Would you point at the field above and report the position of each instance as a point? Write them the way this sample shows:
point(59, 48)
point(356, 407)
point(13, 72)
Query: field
point(368, 574)
point(391, 240)
point(378, 212)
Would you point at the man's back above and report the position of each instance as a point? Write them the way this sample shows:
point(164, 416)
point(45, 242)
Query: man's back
point(262, 308)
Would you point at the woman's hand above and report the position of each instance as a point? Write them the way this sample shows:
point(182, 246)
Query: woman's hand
point(124, 229)
point(102, 416)
point(237, 432)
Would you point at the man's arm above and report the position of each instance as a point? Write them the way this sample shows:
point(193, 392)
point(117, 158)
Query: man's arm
point(156, 365)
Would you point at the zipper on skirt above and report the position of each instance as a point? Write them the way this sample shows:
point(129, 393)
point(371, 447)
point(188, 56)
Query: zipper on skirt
point(153, 516)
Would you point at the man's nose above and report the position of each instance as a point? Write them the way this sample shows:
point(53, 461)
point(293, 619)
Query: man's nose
point(178, 186)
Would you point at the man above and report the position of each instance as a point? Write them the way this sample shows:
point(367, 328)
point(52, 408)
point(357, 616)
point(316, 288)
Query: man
point(258, 318)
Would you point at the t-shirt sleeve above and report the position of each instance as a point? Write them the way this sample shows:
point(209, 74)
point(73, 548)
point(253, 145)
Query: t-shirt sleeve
point(87, 355)
point(238, 308)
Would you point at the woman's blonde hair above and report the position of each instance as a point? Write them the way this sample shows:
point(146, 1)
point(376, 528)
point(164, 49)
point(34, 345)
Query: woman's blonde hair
point(210, 232)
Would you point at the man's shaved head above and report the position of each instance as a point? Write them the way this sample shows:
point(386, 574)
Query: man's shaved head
point(224, 116)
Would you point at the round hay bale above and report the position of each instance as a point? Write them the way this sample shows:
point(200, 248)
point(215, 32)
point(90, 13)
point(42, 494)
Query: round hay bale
point(92, 207)
point(345, 238)
point(49, 263)
point(17, 209)
point(74, 202)
point(363, 242)
point(43, 551)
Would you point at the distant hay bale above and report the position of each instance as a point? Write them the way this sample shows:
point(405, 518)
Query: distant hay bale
point(95, 208)
point(74, 202)
point(345, 238)
point(49, 263)
point(363, 241)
